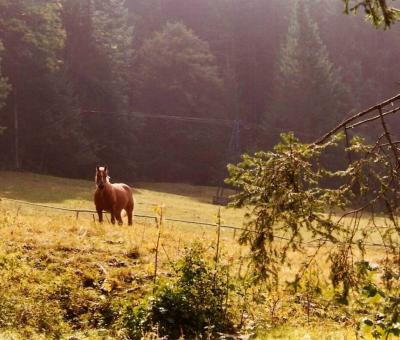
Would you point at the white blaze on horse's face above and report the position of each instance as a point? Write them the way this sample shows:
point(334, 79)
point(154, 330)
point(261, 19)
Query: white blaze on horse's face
point(101, 177)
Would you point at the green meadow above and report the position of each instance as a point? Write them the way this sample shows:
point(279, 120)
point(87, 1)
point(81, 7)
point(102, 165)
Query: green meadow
point(69, 277)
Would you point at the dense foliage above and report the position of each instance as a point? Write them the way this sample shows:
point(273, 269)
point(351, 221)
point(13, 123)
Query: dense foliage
point(294, 207)
point(190, 307)
point(78, 78)
point(283, 188)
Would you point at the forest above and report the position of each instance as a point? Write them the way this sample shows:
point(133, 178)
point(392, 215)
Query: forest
point(173, 90)
point(293, 104)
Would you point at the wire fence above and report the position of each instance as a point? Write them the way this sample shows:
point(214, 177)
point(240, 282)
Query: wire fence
point(311, 243)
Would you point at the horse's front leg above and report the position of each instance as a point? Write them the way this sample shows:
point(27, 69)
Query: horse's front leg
point(112, 217)
point(100, 214)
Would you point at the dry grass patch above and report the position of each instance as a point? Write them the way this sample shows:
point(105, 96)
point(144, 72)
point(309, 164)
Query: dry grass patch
point(62, 276)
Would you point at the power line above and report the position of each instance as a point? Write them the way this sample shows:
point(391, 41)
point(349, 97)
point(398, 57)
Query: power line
point(189, 119)
point(228, 123)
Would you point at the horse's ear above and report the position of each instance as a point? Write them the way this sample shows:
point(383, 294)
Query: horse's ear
point(97, 168)
point(106, 168)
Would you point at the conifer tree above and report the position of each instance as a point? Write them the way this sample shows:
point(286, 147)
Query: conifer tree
point(309, 95)
point(177, 67)
point(33, 39)
point(176, 74)
point(113, 35)
point(98, 53)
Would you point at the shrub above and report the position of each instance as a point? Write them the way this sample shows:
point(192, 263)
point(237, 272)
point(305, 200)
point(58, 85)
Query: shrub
point(192, 306)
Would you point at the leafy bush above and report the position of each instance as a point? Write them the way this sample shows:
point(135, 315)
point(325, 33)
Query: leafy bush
point(191, 306)
point(383, 319)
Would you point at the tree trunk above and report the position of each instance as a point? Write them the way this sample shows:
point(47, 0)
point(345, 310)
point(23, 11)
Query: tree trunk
point(16, 130)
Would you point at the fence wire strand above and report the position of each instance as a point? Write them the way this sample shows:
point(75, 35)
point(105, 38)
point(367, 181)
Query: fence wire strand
point(199, 223)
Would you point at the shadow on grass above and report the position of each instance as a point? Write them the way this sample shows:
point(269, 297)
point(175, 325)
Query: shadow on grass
point(37, 188)
point(203, 194)
point(44, 189)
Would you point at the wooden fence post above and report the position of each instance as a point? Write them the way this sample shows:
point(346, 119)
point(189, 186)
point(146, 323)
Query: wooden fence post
point(218, 238)
point(160, 212)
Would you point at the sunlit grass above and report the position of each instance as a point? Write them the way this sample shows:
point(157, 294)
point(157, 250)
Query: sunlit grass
point(180, 201)
point(328, 332)
point(44, 250)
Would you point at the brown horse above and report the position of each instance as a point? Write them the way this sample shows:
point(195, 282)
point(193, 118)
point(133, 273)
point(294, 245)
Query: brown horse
point(112, 198)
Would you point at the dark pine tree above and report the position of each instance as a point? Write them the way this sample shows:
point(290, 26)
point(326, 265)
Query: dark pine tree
point(176, 74)
point(40, 114)
point(98, 53)
point(309, 95)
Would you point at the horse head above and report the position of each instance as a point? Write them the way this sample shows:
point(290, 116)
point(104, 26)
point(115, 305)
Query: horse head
point(101, 177)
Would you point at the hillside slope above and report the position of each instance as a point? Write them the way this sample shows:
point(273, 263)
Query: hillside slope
point(181, 201)
point(72, 278)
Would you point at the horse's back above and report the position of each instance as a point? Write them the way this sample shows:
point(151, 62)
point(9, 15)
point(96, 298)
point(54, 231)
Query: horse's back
point(124, 189)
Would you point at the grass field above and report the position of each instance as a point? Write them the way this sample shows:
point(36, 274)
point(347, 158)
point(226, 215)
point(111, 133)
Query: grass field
point(63, 277)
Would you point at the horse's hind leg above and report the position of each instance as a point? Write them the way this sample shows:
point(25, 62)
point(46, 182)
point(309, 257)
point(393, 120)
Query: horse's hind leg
point(119, 218)
point(117, 215)
point(129, 212)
